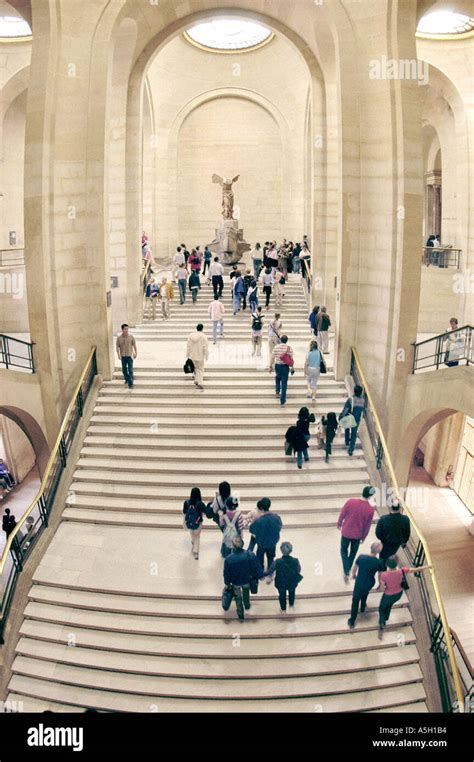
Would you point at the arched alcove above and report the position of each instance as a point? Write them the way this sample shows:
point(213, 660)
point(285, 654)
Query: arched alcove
point(32, 430)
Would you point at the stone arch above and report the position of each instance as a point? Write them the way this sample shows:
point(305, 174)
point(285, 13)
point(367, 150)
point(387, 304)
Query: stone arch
point(32, 430)
point(197, 102)
point(325, 32)
point(13, 88)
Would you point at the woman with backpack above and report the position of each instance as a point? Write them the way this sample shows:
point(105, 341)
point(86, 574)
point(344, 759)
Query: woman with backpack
point(274, 330)
point(193, 509)
point(350, 417)
point(257, 330)
point(313, 319)
point(324, 322)
point(298, 436)
point(194, 284)
point(312, 369)
point(287, 573)
point(213, 508)
point(231, 523)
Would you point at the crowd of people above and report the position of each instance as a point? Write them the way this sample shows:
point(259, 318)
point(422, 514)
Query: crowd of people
point(245, 568)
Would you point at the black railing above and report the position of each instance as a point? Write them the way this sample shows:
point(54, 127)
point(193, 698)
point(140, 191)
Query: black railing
point(453, 697)
point(444, 351)
point(12, 257)
point(443, 257)
point(35, 518)
point(16, 353)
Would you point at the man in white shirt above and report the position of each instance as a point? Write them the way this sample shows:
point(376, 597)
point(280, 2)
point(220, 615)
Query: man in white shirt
point(179, 258)
point(216, 313)
point(198, 352)
point(216, 271)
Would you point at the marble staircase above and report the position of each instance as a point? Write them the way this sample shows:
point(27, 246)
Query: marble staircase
point(121, 617)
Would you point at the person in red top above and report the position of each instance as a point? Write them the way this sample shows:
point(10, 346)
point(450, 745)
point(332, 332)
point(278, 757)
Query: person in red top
point(355, 521)
point(391, 583)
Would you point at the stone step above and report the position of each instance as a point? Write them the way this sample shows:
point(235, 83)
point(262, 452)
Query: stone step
point(247, 495)
point(303, 506)
point(130, 414)
point(108, 700)
point(264, 605)
point(207, 668)
point(273, 649)
point(221, 388)
point(163, 433)
point(404, 708)
point(167, 521)
point(256, 627)
point(222, 689)
point(166, 449)
point(232, 467)
point(33, 705)
point(248, 396)
point(196, 404)
point(216, 374)
point(293, 482)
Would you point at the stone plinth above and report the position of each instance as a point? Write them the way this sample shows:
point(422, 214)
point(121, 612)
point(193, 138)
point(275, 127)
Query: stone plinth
point(229, 242)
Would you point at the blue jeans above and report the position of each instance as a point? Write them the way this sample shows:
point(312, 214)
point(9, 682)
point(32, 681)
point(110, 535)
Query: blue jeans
point(127, 370)
point(296, 265)
point(348, 555)
point(350, 436)
point(182, 290)
point(194, 292)
point(281, 380)
point(257, 263)
point(236, 302)
point(214, 328)
point(299, 456)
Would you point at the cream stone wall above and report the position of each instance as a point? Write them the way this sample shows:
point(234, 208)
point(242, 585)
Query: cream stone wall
point(12, 162)
point(229, 114)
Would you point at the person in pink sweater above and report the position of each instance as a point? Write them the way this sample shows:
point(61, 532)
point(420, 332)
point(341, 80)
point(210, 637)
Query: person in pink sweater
point(354, 522)
point(216, 313)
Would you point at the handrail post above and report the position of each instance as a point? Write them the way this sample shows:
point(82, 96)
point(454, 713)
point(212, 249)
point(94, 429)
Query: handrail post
point(62, 452)
point(80, 402)
point(6, 352)
point(42, 511)
point(438, 350)
point(415, 357)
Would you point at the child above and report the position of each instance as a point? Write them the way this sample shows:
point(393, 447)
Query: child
point(329, 427)
point(287, 571)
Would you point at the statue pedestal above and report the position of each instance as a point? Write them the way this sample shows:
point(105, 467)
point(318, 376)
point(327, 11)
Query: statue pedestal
point(229, 242)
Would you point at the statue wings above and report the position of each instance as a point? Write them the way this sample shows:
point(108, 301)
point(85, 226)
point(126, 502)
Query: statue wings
point(234, 179)
point(217, 179)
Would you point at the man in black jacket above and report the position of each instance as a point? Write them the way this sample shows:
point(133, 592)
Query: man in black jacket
point(239, 568)
point(266, 531)
point(392, 530)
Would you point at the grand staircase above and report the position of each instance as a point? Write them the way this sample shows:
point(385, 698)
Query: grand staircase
point(121, 617)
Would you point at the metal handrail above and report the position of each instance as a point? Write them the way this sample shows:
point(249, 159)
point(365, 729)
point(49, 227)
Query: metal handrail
point(429, 560)
point(443, 258)
point(54, 453)
point(422, 363)
point(6, 354)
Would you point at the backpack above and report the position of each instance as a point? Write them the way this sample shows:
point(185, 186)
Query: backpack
point(282, 281)
point(230, 531)
point(325, 322)
point(257, 323)
point(192, 518)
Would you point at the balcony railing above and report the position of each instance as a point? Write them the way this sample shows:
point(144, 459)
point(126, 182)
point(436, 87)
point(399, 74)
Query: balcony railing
point(35, 518)
point(452, 693)
point(444, 351)
point(16, 353)
point(442, 256)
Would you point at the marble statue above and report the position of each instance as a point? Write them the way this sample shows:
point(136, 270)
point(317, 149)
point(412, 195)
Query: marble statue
point(227, 195)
